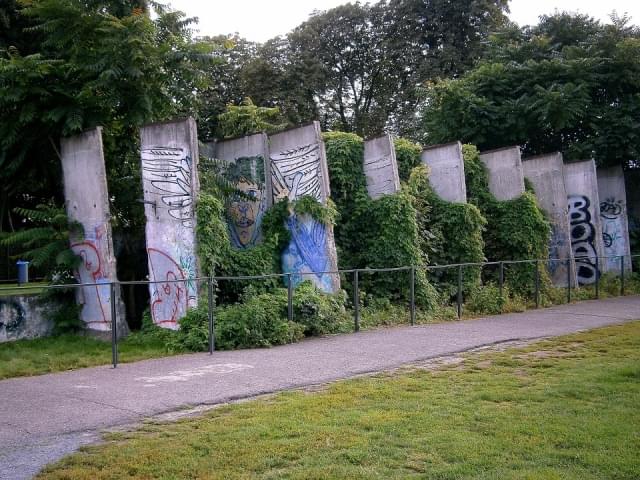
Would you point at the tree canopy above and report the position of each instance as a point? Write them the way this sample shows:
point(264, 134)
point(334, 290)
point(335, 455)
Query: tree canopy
point(569, 84)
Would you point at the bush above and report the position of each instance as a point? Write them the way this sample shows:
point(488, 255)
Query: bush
point(318, 312)
point(453, 232)
point(260, 321)
point(516, 229)
point(486, 300)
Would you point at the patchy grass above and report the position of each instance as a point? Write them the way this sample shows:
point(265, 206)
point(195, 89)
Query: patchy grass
point(559, 409)
point(10, 289)
point(68, 352)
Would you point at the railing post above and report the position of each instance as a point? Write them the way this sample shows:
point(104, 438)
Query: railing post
point(412, 304)
point(459, 299)
point(568, 280)
point(356, 302)
point(537, 283)
point(114, 326)
point(622, 275)
point(597, 277)
point(501, 278)
point(212, 340)
point(289, 298)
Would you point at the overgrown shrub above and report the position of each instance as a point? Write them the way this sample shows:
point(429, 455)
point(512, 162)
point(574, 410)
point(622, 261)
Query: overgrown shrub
point(516, 229)
point(454, 232)
point(319, 313)
point(487, 299)
point(258, 320)
point(377, 233)
point(407, 157)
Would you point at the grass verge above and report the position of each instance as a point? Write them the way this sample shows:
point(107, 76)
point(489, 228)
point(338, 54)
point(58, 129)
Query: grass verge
point(68, 352)
point(564, 408)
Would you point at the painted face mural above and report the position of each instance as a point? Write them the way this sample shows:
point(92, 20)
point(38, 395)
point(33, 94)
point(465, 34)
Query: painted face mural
point(245, 213)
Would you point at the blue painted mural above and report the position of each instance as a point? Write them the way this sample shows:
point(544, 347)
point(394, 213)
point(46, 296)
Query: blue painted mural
point(296, 173)
point(307, 252)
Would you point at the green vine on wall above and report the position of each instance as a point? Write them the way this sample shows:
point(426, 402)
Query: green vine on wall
point(516, 229)
point(451, 232)
point(374, 233)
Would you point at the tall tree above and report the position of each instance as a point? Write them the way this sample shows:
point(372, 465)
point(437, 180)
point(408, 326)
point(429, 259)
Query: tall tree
point(569, 84)
point(96, 63)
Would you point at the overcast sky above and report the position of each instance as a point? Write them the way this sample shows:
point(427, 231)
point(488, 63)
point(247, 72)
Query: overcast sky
point(260, 20)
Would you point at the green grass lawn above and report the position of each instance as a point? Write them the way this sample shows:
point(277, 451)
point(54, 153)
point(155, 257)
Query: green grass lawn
point(9, 289)
point(67, 352)
point(559, 409)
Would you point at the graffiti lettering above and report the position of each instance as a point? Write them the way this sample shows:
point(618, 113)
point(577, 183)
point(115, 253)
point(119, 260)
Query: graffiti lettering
point(95, 299)
point(582, 238)
point(613, 237)
point(611, 208)
point(168, 172)
point(171, 297)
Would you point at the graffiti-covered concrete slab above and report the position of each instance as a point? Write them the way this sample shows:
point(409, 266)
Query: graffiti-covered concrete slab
point(245, 166)
point(506, 178)
point(380, 167)
point(581, 184)
point(446, 175)
point(87, 202)
point(545, 172)
point(169, 155)
point(25, 317)
point(298, 168)
point(613, 217)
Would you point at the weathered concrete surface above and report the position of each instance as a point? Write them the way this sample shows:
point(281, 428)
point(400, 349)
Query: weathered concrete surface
point(24, 316)
point(545, 172)
point(169, 154)
point(581, 183)
point(614, 219)
point(87, 202)
point(446, 176)
point(380, 167)
point(506, 177)
point(247, 158)
point(43, 418)
point(298, 167)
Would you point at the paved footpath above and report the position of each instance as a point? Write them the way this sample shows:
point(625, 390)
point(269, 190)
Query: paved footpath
point(44, 418)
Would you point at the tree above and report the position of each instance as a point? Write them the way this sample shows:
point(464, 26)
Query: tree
point(246, 119)
point(569, 84)
point(95, 63)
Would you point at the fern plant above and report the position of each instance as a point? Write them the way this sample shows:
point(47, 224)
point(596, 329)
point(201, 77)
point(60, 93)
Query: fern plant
point(46, 242)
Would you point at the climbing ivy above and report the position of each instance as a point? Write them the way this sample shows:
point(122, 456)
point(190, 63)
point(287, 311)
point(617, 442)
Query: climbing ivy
point(374, 233)
point(219, 258)
point(516, 229)
point(455, 231)
point(407, 157)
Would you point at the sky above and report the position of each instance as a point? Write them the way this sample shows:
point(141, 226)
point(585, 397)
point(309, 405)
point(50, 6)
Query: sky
point(260, 20)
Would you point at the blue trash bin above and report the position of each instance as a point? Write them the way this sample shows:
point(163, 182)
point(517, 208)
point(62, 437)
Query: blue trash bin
point(23, 272)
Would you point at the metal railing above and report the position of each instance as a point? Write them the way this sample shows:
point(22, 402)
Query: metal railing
point(211, 283)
